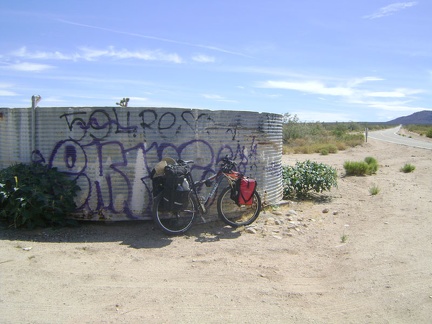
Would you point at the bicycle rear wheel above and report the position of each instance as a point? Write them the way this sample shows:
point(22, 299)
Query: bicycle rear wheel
point(173, 222)
point(237, 215)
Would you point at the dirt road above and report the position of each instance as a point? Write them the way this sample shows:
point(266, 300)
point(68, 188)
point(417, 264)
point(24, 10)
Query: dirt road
point(352, 258)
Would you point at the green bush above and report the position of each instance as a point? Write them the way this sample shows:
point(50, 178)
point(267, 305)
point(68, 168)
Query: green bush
point(407, 168)
point(307, 176)
point(367, 167)
point(355, 168)
point(33, 195)
point(324, 151)
point(429, 133)
point(374, 190)
point(372, 164)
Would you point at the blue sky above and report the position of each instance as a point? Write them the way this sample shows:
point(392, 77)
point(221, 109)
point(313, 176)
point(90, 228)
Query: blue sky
point(334, 60)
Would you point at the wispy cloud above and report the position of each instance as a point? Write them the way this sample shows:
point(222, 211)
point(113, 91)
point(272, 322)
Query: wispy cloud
point(5, 90)
point(39, 55)
point(397, 93)
point(203, 58)
point(312, 116)
point(28, 67)
point(315, 87)
point(390, 9)
point(208, 47)
point(92, 54)
point(394, 106)
point(354, 92)
point(217, 98)
point(53, 100)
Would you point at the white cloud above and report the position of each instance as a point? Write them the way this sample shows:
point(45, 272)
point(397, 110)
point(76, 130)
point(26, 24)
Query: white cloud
point(137, 101)
point(203, 58)
point(354, 92)
point(390, 9)
point(309, 87)
point(397, 93)
point(23, 53)
point(395, 106)
point(91, 54)
point(53, 100)
point(7, 93)
point(217, 98)
point(5, 90)
point(212, 96)
point(29, 67)
point(315, 116)
point(357, 81)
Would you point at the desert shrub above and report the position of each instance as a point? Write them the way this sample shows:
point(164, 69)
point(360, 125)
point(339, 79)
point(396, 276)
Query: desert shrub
point(332, 148)
point(328, 148)
point(306, 177)
point(353, 140)
point(422, 130)
point(341, 146)
point(407, 168)
point(355, 168)
point(324, 151)
point(374, 190)
point(33, 195)
point(367, 167)
point(372, 164)
point(304, 150)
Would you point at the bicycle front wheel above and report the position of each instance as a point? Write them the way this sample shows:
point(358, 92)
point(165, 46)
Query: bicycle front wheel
point(173, 222)
point(237, 215)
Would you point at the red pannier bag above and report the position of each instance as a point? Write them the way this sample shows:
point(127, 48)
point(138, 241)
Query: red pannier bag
point(246, 189)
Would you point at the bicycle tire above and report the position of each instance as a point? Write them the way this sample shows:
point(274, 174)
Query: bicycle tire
point(237, 215)
point(173, 222)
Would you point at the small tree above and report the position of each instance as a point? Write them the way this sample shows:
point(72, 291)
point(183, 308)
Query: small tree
point(123, 103)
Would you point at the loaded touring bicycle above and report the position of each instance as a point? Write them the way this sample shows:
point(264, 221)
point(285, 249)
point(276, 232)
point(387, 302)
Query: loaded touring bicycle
point(177, 200)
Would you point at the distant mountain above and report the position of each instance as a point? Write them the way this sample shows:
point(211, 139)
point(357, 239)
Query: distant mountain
point(421, 117)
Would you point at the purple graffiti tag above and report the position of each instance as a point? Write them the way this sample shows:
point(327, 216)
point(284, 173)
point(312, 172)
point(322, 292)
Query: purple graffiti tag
point(68, 154)
point(115, 176)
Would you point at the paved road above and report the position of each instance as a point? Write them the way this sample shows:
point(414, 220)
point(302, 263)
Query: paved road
point(390, 135)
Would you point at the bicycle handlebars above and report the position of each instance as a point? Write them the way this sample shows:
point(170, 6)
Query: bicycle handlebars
point(227, 164)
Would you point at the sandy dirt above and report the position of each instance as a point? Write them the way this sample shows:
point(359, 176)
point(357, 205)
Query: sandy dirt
point(352, 257)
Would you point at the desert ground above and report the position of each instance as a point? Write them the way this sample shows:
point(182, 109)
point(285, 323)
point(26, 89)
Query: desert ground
point(349, 257)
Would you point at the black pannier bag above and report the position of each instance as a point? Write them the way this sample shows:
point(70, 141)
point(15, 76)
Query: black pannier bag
point(176, 188)
point(158, 182)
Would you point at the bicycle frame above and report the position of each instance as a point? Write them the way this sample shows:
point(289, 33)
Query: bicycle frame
point(217, 178)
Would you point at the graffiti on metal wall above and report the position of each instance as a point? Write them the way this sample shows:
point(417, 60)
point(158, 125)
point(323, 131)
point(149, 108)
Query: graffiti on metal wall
point(107, 153)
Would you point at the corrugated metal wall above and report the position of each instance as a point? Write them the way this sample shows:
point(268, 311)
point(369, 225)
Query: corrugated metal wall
point(112, 150)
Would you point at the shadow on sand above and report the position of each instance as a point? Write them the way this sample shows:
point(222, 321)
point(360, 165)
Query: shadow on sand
point(135, 234)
